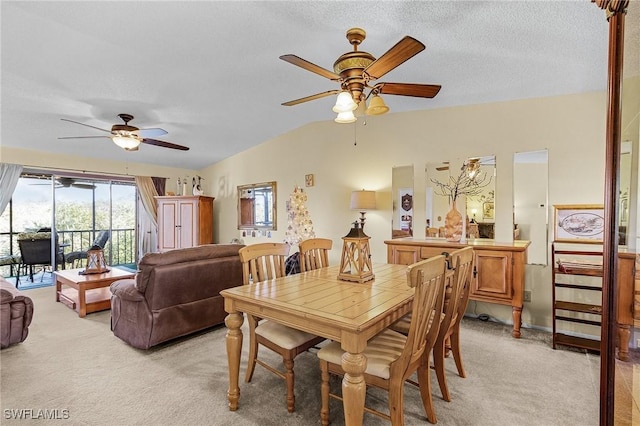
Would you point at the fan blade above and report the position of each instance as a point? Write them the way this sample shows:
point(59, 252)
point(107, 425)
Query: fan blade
point(408, 89)
point(84, 137)
point(83, 185)
point(311, 98)
point(295, 60)
point(150, 133)
point(87, 125)
point(164, 144)
point(443, 168)
point(405, 49)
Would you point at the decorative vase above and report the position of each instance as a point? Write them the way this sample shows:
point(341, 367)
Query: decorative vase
point(453, 224)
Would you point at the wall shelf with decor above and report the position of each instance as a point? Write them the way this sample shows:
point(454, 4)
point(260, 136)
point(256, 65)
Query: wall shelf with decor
point(574, 299)
point(571, 301)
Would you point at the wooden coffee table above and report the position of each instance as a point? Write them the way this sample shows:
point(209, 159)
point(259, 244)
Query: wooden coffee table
point(87, 293)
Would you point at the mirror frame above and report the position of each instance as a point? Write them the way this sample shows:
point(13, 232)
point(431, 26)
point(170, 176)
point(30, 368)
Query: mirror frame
point(274, 221)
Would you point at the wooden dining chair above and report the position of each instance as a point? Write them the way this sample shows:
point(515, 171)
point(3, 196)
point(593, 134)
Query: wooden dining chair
point(391, 356)
point(314, 253)
point(449, 335)
point(262, 262)
point(456, 299)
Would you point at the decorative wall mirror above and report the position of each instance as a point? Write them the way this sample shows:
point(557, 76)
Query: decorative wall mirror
point(530, 192)
point(481, 202)
point(257, 206)
point(437, 206)
point(402, 196)
point(480, 198)
point(626, 194)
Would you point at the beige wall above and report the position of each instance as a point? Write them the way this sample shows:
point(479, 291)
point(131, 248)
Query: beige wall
point(348, 157)
point(571, 127)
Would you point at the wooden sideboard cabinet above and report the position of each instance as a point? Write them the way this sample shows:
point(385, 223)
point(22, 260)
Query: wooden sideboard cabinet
point(184, 221)
point(498, 274)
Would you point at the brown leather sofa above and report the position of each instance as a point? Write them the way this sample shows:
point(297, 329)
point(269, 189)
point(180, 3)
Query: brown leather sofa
point(174, 293)
point(16, 313)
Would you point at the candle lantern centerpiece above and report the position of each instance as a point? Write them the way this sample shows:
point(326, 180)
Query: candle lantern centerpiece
point(355, 263)
point(95, 261)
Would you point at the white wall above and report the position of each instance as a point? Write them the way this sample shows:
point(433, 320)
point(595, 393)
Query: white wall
point(355, 156)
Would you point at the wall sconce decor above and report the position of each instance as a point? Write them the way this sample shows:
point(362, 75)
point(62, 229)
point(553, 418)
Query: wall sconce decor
point(355, 263)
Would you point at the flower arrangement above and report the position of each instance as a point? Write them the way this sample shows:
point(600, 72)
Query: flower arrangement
point(466, 183)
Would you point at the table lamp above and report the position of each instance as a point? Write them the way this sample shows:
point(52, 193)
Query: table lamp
point(362, 201)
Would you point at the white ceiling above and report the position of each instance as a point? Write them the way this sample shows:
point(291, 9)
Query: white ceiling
point(208, 72)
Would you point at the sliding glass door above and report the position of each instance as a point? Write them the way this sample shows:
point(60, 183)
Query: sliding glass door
point(96, 211)
point(79, 209)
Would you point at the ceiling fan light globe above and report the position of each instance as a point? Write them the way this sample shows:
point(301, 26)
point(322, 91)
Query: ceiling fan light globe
point(344, 103)
point(361, 111)
point(345, 117)
point(126, 142)
point(377, 106)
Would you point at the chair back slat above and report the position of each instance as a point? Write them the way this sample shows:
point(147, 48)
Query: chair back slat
point(264, 261)
point(314, 253)
point(428, 279)
point(462, 261)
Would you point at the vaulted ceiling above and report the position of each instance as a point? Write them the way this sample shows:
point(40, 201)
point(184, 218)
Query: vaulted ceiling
point(209, 72)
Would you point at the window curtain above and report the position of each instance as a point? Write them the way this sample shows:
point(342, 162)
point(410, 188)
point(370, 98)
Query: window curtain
point(159, 183)
point(9, 175)
point(147, 220)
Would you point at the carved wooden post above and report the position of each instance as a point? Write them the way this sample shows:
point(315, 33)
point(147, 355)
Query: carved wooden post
point(615, 10)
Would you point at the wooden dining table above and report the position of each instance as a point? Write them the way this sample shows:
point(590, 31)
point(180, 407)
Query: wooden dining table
point(318, 302)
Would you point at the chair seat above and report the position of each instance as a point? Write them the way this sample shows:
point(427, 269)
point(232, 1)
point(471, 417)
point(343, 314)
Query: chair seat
point(283, 336)
point(381, 351)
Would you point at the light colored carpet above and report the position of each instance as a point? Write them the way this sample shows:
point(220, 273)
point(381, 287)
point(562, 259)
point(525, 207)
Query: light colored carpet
point(77, 364)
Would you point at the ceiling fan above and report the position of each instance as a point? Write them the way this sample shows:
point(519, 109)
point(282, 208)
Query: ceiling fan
point(129, 137)
point(355, 71)
point(65, 182)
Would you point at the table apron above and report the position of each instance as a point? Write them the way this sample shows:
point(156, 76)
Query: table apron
point(353, 340)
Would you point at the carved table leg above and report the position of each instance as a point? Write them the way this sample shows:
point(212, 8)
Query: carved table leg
point(354, 387)
point(624, 333)
point(517, 321)
point(234, 321)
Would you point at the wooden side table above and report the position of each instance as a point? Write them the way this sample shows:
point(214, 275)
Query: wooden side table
point(87, 293)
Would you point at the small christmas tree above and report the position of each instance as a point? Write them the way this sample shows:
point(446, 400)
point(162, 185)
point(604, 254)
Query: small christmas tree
point(300, 226)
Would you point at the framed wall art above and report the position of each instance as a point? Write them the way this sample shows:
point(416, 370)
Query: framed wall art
point(308, 180)
point(578, 223)
point(487, 210)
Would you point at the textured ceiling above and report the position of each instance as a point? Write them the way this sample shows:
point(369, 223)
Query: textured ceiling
point(209, 73)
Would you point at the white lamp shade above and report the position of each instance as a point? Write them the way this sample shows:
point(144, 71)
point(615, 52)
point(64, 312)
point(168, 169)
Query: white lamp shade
point(344, 103)
point(345, 117)
point(126, 142)
point(363, 200)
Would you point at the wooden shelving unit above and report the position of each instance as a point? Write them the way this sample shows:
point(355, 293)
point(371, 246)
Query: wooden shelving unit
point(575, 262)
